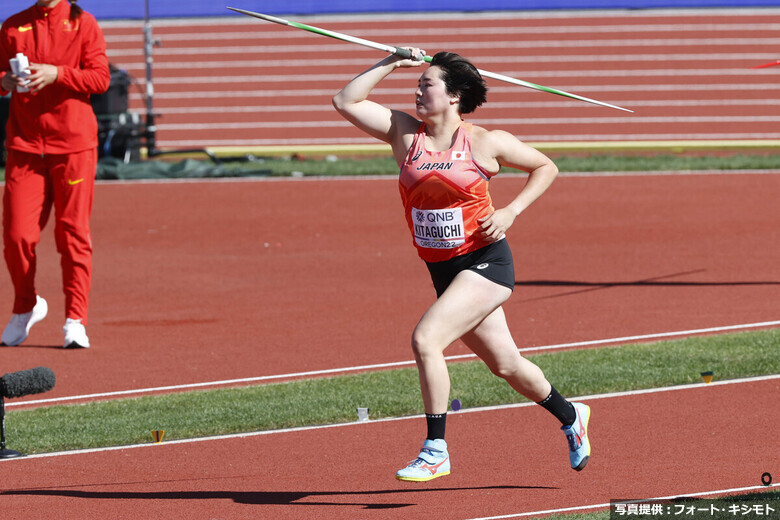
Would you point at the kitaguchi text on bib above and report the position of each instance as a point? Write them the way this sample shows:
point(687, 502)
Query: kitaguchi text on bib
point(438, 228)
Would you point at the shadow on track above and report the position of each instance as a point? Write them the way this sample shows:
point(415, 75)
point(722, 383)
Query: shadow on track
point(320, 498)
point(658, 281)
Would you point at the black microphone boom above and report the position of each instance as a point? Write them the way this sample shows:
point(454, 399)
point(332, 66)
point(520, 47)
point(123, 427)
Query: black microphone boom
point(26, 382)
point(19, 384)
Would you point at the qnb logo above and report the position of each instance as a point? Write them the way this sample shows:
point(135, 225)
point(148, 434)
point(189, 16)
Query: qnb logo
point(436, 216)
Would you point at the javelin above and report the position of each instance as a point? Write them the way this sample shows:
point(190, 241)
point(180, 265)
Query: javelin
point(405, 53)
point(770, 64)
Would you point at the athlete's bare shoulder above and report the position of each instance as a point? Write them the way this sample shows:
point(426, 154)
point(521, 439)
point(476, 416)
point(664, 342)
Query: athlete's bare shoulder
point(492, 139)
point(492, 148)
point(487, 146)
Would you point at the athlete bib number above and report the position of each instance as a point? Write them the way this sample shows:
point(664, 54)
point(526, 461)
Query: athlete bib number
point(438, 228)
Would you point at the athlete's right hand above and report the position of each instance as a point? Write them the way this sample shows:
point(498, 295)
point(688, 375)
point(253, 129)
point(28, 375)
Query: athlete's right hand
point(416, 60)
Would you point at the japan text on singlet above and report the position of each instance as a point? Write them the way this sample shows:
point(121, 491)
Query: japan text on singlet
point(444, 195)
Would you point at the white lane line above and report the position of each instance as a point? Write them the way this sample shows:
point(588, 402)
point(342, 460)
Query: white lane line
point(389, 419)
point(334, 123)
point(243, 62)
point(341, 178)
point(712, 493)
point(382, 91)
point(598, 139)
point(753, 43)
point(379, 366)
point(489, 30)
point(495, 106)
point(676, 14)
point(240, 76)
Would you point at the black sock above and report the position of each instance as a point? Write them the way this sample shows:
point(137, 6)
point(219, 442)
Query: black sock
point(436, 425)
point(557, 405)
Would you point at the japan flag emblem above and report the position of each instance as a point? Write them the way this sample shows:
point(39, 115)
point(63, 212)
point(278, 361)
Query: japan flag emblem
point(459, 156)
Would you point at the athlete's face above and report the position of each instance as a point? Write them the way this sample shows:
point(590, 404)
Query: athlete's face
point(431, 96)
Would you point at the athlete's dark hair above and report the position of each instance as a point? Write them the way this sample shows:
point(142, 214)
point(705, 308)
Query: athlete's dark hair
point(461, 79)
point(75, 10)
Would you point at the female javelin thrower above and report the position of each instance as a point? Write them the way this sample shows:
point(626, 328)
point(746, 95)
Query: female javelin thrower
point(446, 164)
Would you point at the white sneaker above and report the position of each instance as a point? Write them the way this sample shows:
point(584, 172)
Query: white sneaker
point(19, 327)
point(432, 462)
point(75, 334)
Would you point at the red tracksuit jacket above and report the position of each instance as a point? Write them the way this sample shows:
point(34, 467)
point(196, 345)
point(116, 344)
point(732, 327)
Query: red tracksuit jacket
point(59, 119)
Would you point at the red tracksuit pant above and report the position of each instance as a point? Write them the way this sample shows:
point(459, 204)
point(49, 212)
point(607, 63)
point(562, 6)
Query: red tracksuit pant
point(33, 184)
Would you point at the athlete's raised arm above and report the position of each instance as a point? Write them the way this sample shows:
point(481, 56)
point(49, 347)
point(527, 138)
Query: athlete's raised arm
point(376, 120)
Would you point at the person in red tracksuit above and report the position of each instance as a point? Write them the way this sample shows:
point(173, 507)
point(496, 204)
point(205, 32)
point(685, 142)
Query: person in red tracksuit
point(52, 155)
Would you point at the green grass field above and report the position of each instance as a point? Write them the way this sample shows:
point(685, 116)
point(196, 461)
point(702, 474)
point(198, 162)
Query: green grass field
point(565, 163)
point(389, 393)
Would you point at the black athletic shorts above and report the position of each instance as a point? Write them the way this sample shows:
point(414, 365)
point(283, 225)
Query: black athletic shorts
point(493, 261)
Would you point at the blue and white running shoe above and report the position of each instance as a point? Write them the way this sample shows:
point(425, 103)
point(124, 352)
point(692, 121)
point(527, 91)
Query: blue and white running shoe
point(577, 435)
point(432, 462)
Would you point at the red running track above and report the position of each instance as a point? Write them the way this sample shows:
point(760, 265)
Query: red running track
point(206, 281)
point(199, 282)
point(687, 74)
point(505, 462)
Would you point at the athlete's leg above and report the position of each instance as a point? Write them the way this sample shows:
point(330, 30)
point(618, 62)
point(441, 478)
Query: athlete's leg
point(73, 178)
point(492, 341)
point(26, 206)
point(468, 300)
